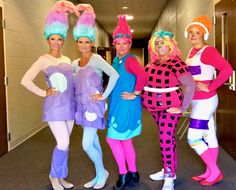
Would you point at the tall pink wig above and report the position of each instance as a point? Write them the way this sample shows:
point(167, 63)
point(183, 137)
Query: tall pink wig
point(57, 20)
point(122, 30)
point(85, 25)
point(168, 39)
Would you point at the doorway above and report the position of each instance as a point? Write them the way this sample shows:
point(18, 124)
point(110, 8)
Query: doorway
point(225, 39)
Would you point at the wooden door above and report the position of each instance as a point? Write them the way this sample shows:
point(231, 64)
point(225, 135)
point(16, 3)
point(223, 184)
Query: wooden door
point(226, 43)
point(108, 53)
point(3, 122)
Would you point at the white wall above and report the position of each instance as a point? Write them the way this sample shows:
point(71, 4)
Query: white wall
point(176, 16)
point(216, 1)
point(24, 43)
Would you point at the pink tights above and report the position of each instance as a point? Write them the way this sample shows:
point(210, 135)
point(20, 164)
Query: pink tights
point(124, 153)
point(167, 123)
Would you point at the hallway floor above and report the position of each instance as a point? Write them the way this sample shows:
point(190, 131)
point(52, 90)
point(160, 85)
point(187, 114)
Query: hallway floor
point(27, 166)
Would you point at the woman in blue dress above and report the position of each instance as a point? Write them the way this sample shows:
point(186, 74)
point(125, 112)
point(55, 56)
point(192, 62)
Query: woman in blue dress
point(125, 110)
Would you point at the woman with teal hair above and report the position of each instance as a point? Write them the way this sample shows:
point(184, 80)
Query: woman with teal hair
point(89, 94)
point(59, 106)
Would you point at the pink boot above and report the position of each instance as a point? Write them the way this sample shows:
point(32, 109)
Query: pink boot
point(214, 153)
point(215, 174)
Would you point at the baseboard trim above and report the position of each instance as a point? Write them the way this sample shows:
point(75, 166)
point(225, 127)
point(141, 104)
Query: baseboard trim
point(13, 144)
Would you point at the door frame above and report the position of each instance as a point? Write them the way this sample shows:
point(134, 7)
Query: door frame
point(224, 34)
point(3, 114)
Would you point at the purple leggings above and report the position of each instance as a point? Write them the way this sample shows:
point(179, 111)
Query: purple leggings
point(167, 123)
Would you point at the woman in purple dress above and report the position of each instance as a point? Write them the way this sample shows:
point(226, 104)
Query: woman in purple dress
point(59, 106)
point(89, 94)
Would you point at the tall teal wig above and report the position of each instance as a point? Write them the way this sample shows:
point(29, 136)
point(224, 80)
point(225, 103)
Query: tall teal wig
point(85, 26)
point(57, 20)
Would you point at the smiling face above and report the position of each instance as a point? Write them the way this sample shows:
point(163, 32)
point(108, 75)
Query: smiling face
point(55, 42)
point(84, 45)
point(161, 48)
point(122, 47)
point(195, 36)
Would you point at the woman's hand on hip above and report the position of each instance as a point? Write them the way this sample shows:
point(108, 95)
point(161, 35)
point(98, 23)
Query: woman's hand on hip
point(51, 92)
point(202, 87)
point(128, 96)
point(174, 110)
point(96, 97)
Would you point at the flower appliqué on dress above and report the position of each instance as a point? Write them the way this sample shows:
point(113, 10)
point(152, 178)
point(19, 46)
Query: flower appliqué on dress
point(112, 122)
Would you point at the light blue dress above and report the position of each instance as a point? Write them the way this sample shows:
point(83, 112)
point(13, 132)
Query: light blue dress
point(124, 116)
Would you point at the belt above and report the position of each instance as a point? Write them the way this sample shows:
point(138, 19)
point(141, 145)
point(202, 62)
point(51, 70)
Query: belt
point(146, 88)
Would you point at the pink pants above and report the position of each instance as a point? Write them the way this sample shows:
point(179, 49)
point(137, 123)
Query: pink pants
point(167, 123)
point(124, 153)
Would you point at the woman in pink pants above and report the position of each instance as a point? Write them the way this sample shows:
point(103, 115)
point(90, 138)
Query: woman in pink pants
point(164, 98)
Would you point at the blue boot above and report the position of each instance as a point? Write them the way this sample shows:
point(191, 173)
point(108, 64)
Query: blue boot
point(59, 165)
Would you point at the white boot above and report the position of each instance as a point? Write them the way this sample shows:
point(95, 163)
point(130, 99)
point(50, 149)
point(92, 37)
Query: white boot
point(101, 185)
point(90, 183)
point(66, 184)
point(55, 183)
point(168, 183)
point(158, 176)
point(93, 182)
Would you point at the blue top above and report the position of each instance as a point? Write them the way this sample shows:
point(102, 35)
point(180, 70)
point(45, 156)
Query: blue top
point(124, 116)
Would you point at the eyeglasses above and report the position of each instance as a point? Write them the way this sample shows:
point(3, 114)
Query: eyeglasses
point(122, 35)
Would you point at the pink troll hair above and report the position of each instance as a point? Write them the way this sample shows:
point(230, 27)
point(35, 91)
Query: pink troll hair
point(64, 6)
point(122, 30)
point(85, 25)
point(57, 20)
point(83, 7)
point(168, 39)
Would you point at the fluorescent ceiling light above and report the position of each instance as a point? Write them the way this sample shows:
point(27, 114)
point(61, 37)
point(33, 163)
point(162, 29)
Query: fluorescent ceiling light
point(124, 7)
point(129, 17)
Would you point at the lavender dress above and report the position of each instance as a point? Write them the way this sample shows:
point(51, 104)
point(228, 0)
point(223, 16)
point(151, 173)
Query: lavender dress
point(60, 107)
point(89, 113)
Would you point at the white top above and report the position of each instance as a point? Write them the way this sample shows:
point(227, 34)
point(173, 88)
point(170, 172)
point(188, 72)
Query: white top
point(41, 64)
point(206, 71)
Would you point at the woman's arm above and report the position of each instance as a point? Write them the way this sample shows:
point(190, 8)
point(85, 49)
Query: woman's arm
point(212, 57)
point(111, 72)
point(189, 89)
point(29, 76)
point(132, 65)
